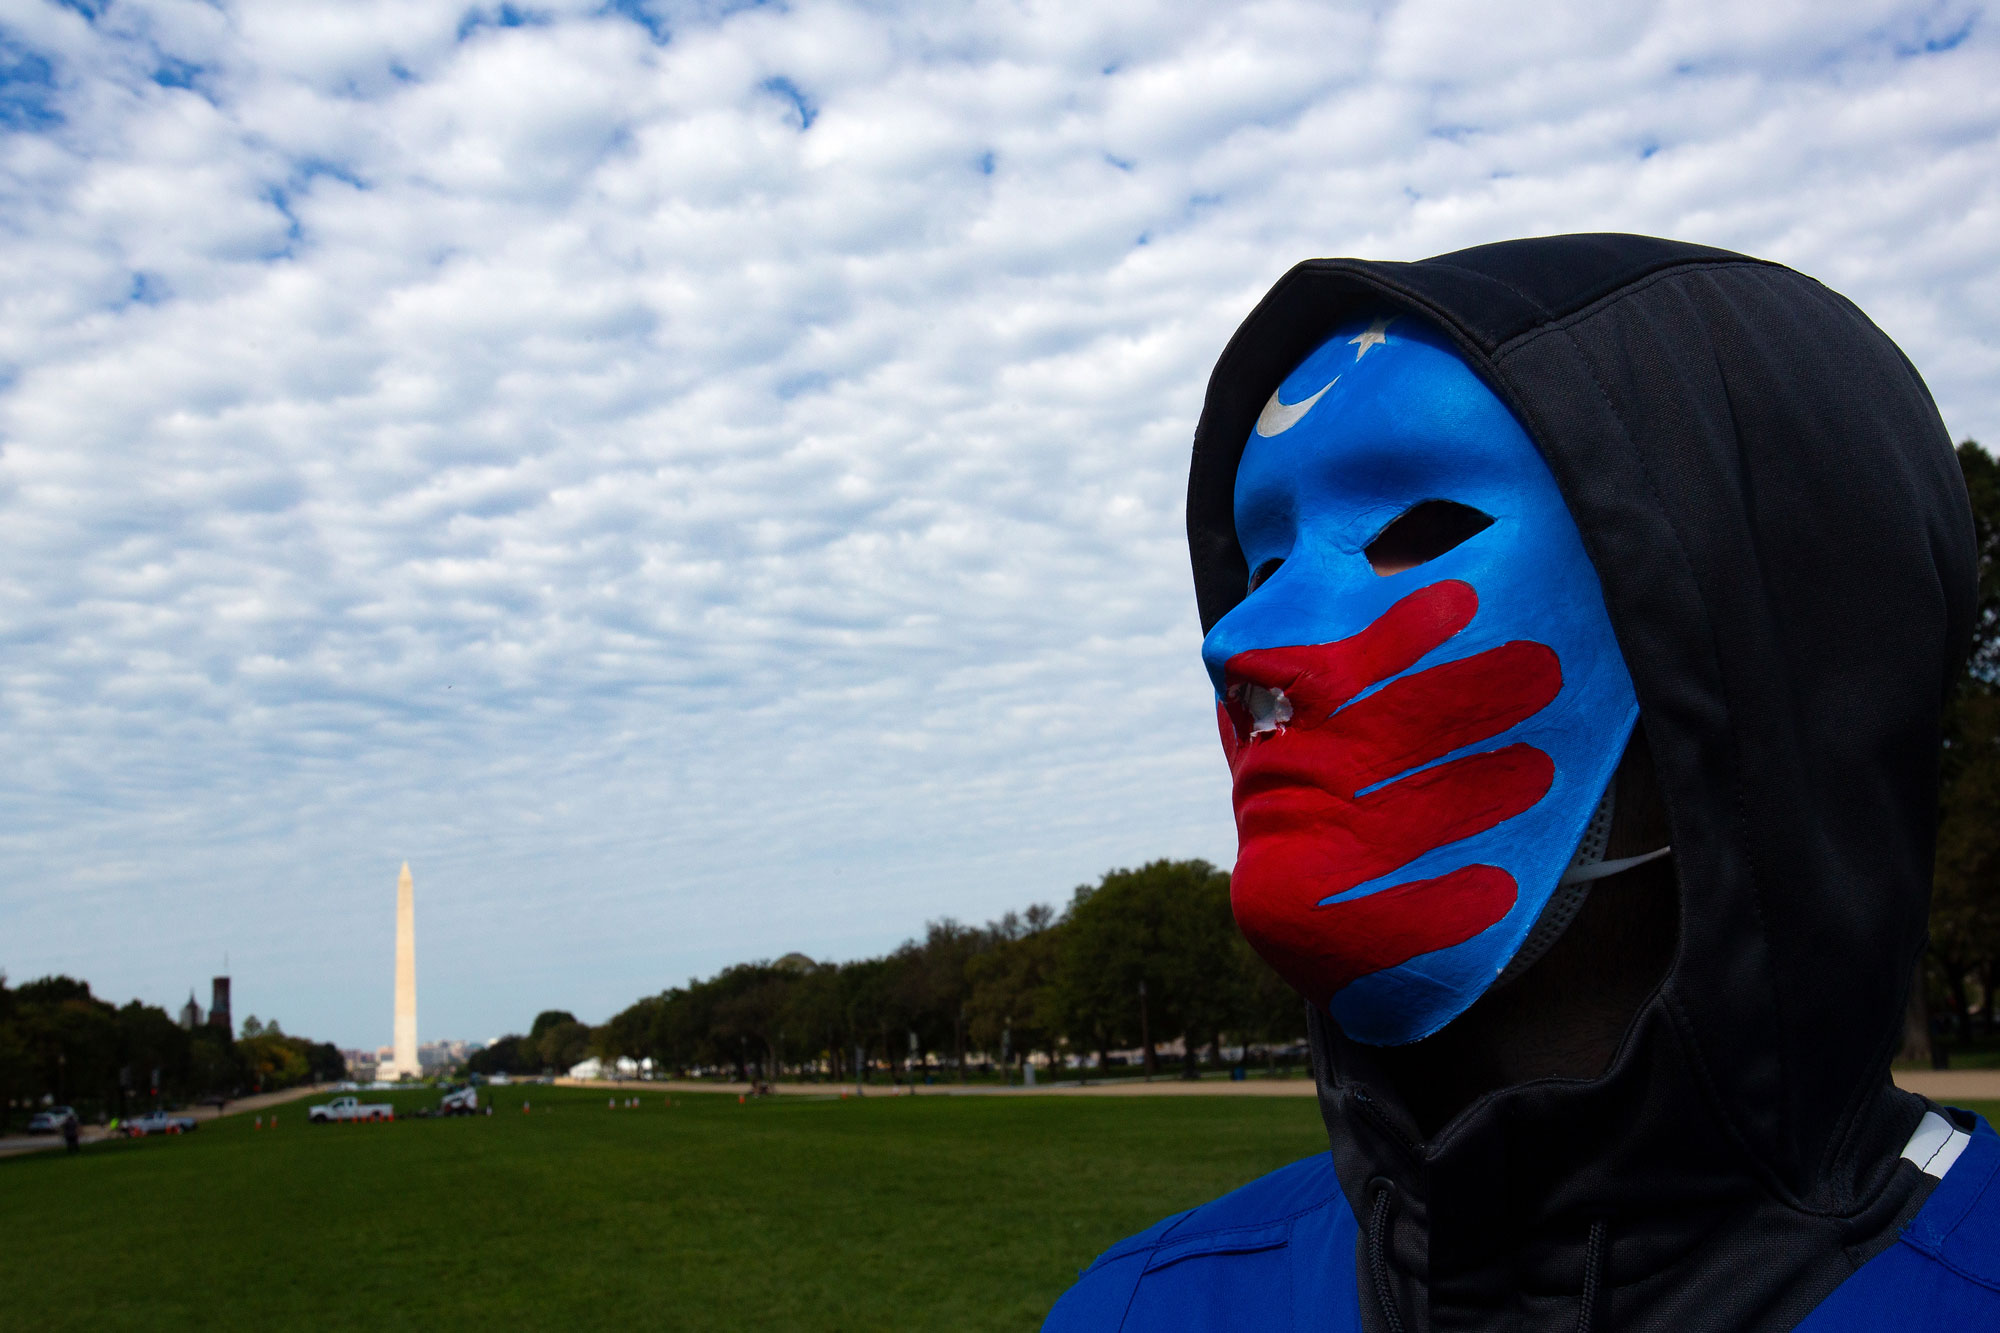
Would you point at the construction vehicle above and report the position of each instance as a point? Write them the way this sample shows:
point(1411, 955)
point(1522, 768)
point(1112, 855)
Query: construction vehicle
point(465, 1101)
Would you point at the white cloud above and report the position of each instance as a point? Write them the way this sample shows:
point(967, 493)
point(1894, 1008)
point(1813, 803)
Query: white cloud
point(713, 490)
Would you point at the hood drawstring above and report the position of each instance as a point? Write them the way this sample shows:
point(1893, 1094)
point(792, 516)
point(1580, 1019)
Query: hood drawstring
point(1593, 1278)
point(1378, 1261)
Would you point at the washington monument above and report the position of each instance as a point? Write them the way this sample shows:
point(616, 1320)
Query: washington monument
point(404, 1060)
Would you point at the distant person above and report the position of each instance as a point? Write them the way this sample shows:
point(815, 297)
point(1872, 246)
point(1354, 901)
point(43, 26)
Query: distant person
point(1580, 612)
point(72, 1133)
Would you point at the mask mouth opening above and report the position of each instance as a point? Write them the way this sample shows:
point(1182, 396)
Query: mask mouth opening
point(1268, 709)
point(1257, 710)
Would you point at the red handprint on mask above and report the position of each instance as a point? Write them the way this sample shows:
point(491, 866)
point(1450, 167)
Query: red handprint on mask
point(1320, 805)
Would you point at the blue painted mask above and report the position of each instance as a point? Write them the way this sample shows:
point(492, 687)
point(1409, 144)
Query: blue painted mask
point(1421, 697)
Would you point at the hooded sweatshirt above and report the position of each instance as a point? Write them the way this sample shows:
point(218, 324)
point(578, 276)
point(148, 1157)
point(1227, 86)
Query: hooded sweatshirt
point(1775, 514)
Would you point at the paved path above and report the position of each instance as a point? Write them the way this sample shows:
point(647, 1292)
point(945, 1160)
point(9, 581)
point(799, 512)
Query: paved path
point(1944, 1085)
point(1952, 1085)
point(1123, 1087)
point(94, 1133)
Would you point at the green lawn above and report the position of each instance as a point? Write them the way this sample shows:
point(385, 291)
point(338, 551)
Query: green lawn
point(926, 1212)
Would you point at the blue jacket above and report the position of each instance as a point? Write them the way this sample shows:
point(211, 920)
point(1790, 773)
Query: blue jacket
point(1279, 1253)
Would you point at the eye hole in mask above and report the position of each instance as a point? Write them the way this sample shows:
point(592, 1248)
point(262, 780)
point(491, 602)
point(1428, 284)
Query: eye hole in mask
point(1422, 533)
point(1262, 574)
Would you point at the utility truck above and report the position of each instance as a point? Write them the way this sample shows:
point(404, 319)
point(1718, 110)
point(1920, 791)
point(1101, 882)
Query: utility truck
point(349, 1108)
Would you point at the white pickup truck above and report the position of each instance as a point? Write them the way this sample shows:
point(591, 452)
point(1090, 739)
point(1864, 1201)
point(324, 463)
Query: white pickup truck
point(348, 1108)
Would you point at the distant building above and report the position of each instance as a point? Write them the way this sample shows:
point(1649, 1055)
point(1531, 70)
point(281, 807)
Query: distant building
point(190, 1014)
point(218, 1007)
point(441, 1054)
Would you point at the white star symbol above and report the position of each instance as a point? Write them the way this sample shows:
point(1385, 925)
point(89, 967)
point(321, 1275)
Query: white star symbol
point(1376, 336)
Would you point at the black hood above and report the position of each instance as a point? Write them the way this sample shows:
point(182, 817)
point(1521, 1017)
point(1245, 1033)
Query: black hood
point(1786, 551)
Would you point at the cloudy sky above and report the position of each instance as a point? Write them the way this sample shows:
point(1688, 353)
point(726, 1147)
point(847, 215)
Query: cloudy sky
point(703, 480)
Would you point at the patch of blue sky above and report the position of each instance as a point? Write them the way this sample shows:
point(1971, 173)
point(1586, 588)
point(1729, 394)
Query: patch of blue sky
point(1926, 41)
point(802, 106)
point(714, 11)
point(27, 88)
point(280, 198)
point(1122, 163)
point(92, 10)
point(501, 16)
point(147, 289)
point(309, 169)
point(641, 13)
point(987, 162)
point(173, 73)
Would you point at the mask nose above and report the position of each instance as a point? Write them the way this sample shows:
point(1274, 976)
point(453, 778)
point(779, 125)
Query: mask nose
point(1230, 636)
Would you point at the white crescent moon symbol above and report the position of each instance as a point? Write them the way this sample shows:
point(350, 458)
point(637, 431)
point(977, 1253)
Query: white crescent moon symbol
point(1277, 417)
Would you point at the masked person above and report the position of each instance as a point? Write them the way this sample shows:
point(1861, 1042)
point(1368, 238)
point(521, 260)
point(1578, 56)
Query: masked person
point(1580, 613)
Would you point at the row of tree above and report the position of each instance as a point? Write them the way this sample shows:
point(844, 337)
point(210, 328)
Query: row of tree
point(61, 1043)
point(1963, 966)
point(1143, 958)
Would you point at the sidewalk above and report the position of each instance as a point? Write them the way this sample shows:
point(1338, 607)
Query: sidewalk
point(1951, 1085)
point(1944, 1085)
point(25, 1143)
point(1163, 1086)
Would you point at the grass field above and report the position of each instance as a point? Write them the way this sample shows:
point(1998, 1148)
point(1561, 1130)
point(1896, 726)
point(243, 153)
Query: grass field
point(928, 1212)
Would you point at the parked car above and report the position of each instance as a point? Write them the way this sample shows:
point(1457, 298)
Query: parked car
point(349, 1108)
point(159, 1122)
point(50, 1121)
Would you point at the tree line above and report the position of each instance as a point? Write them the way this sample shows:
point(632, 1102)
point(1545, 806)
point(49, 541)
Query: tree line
point(60, 1042)
point(1141, 959)
point(1962, 966)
